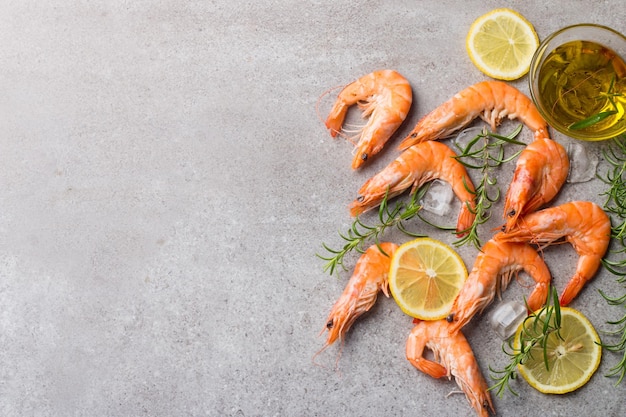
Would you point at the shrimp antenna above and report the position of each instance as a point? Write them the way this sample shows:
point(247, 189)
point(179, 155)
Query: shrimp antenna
point(326, 346)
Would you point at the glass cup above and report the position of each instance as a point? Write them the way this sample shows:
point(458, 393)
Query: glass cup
point(578, 81)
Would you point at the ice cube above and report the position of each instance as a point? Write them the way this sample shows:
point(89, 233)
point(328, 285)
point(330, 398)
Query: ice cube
point(438, 198)
point(582, 164)
point(466, 136)
point(506, 318)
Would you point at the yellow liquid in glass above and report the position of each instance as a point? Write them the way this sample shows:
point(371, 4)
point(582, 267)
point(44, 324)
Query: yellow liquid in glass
point(576, 81)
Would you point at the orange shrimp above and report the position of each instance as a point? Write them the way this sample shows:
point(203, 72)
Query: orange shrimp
point(491, 100)
point(385, 97)
point(453, 356)
point(369, 277)
point(581, 223)
point(541, 170)
point(414, 167)
point(493, 269)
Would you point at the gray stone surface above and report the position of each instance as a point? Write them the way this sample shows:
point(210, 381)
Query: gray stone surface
point(166, 184)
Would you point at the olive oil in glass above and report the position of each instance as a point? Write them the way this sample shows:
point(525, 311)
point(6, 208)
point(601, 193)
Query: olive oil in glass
point(580, 80)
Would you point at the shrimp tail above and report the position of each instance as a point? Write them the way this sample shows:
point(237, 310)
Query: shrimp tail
point(538, 297)
point(466, 218)
point(571, 290)
point(415, 346)
point(335, 119)
point(585, 270)
point(431, 368)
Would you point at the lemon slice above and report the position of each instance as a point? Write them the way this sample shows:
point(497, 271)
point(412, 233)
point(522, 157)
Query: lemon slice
point(572, 360)
point(501, 44)
point(425, 277)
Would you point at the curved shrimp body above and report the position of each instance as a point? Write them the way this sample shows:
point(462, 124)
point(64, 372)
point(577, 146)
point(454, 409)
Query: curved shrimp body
point(491, 100)
point(414, 167)
point(369, 277)
point(493, 269)
point(385, 97)
point(581, 223)
point(541, 171)
point(453, 356)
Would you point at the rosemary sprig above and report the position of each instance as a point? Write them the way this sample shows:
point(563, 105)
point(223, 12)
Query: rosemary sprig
point(598, 117)
point(360, 233)
point(615, 205)
point(537, 327)
point(619, 346)
point(488, 149)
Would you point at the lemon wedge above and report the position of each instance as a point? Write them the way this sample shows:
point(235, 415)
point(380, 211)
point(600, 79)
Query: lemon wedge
point(425, 277)
point(501, 44)
point(572, 359)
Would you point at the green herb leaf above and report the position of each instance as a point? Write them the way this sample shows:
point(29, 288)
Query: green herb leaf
point(590, 121)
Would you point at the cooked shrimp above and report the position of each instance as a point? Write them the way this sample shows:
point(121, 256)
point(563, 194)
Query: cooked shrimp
point(414, 167)
point(491, 100)
point(493, 269)
point(369, 277)
point(385, 97)
point(453, 356)
point(581, 223)
point(541, 170)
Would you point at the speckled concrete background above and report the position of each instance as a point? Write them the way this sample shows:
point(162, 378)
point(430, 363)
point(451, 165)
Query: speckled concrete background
point(166, 183)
